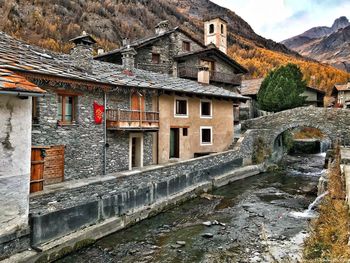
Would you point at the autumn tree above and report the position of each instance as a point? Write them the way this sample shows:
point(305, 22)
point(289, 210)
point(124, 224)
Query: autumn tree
point(282, 89)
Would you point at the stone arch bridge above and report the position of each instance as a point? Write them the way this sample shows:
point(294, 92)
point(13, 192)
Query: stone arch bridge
point(333, 123)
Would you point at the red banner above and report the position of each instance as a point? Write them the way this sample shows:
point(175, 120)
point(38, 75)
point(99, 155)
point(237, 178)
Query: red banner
point(98, 112)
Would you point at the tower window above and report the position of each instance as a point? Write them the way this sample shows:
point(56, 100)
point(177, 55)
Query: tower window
point(222, 29)
point(211, 28)
point(186, 46)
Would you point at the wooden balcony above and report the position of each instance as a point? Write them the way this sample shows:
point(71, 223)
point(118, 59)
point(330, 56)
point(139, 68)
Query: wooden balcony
point(132, 120)
point(215, 76)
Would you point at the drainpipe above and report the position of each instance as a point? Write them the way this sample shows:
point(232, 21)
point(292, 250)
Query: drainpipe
point(105, 134)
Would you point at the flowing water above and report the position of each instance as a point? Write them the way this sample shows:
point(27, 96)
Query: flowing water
point(247, 221)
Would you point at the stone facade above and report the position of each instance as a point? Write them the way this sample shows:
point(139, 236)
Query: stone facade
point(167, 47)
point(83, 139)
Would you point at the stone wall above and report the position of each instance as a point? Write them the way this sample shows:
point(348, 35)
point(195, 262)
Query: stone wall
point(168, 47)
point(15, 142)
point(84, 140)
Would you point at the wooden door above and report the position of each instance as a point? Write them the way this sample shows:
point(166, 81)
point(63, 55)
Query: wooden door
point(37, 170)
point(137, 105)
point(174, 143)
point(54, 165)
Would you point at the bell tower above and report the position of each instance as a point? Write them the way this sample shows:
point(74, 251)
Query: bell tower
point(215, 32)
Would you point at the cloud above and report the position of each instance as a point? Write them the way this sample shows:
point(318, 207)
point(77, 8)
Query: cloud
point(281, 19)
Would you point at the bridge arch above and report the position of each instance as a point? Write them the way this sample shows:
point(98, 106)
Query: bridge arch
point(333, 123)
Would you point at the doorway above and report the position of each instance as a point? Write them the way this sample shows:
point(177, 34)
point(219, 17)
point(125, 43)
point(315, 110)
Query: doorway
point(174, 143)
point(136, 151)
point(137, 105)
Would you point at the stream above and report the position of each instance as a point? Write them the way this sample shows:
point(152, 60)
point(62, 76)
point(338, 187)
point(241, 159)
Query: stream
point(251, 220)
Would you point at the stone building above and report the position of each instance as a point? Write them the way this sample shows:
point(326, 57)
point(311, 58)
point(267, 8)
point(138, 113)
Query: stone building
point(341, 93)
point(131, 136)
point(15, 145)
point(176, 52)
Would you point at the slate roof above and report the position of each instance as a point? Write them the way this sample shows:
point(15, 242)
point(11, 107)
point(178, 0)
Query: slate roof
point(251, 87)
point(216, 52)
point(10, 81)
point(343, 87)
point(148, 40)
point(18, 56)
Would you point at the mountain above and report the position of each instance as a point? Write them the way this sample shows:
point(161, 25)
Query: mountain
point(51, 23)
point(326, 44)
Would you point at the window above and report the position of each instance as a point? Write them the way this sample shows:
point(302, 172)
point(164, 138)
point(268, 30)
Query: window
point(206, 135)
point(186, 46)
point(35, 110)
point(155, 58)
point(65, 108)
point(181, 107)
point(211, 29)
point(222, 29)
point(184, 131)
point(206, 109)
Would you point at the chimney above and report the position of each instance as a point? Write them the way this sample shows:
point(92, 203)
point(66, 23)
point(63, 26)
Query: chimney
point(162, 27)
point(128, 58)
point(100, 51)
point(126, 41)
point(82, 52)
point(203, 74)
point(215, 32)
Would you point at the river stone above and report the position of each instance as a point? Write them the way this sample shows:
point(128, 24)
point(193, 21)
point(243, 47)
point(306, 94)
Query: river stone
point(176, 246)
point(207, 235)
point(207, 223)
point(181, 243)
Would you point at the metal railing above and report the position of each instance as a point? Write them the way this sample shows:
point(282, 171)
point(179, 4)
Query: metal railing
point(192, 72)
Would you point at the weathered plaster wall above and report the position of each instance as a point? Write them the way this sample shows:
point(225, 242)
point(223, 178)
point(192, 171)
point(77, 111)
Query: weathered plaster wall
point(221, 123)
point(15, 145)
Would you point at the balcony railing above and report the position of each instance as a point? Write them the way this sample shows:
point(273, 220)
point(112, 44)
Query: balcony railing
point(215, 76)
point(121, 119)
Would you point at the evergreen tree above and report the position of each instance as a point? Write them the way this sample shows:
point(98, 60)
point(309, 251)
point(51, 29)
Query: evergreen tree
point(282, 89)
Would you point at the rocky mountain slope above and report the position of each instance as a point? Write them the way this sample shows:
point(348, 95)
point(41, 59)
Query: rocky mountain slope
point(51, 23)
point(326, 44)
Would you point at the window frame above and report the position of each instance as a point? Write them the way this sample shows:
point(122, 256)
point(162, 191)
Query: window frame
point(211, 109)
point(201, 135)
point(74, 104)
point(175, 112)
point(157, 61)
point(35, 110)
point(186, 46)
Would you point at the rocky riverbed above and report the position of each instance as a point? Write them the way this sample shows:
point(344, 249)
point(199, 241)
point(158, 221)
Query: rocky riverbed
point(248, 221)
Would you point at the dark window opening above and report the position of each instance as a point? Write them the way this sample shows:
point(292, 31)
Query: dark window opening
point(35, 111)
point(211, 28)
point(155, 58)
point(184, 131)
point(186, 46)
point(66, 108)
point(222, 29)
point(206, 136)
point(181, 107)
point(205, 108)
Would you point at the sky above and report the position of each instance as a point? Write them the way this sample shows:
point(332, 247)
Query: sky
point(282, 19)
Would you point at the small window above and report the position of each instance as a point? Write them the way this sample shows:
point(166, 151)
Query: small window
point(206, 135)
point(181, 107)
point(222, 29)
point(184, 131)
point(35, 110)
point(186, 46)
point(211, 29)
point(155, 58)
point(205, 108)
point(65, 108)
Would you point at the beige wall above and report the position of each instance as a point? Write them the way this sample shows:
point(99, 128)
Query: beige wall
point(344, 97)
point(221, 123)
